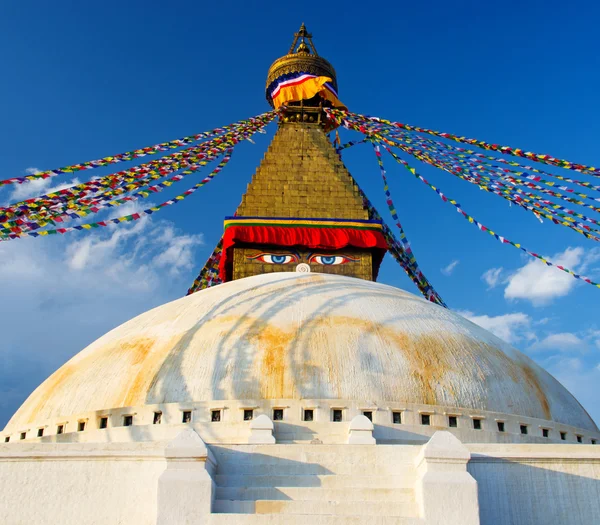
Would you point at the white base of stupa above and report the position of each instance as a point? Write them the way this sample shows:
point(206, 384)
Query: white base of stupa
point(185, 481)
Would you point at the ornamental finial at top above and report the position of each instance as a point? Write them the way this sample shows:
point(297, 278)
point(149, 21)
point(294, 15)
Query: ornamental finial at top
point(303, 35)
point(302, 77)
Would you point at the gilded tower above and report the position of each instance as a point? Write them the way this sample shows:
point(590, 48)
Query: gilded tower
point(302, 211)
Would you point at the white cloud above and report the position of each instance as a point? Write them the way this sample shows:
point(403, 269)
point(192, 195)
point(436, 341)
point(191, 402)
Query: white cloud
point(98, 251)
point(509, 327)
point(563, 341)
point(540, 284)
point(178, 252)
point(492, 277)
point(450, 268)
point(37, 187)
point(82, 284)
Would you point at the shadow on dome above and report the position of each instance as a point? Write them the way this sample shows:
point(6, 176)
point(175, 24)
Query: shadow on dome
point(274, 298)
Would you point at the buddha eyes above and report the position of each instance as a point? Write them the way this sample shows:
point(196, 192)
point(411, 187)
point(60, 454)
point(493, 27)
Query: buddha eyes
point(330, 260)
point(275, 258)
point(287, 258)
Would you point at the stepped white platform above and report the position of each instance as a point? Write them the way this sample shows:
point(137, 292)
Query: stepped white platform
point(295, 482)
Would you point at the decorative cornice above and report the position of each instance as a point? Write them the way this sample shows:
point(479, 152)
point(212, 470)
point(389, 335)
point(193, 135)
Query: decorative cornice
point(296, 63)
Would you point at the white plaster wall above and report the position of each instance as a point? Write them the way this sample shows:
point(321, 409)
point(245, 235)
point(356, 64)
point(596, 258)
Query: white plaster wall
point(537, 484)
point(116, 483)
point(80, 484)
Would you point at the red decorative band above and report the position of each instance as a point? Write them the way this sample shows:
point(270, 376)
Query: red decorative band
point(309, 237)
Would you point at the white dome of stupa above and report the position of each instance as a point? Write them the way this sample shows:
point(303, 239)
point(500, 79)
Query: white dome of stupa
point(292, 336)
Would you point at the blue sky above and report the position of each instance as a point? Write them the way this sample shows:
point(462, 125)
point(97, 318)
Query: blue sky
point(84, 80)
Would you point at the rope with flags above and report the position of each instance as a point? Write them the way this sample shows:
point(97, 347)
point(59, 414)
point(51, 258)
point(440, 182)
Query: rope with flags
point(533, 189)
point(403, 248)
point(118, 183)
point(29, 217)
point(134, 154)
point(363, 124)
point(538, 205)
point(82, 208)
point(505, 150)
point(209, 275)
point(131, 217)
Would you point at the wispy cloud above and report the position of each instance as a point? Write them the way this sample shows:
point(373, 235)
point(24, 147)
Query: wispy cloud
point(511, 327)
point(37, 187)
point(492, 277)
point(563, 341)
point(567, 342)
point(450, 268)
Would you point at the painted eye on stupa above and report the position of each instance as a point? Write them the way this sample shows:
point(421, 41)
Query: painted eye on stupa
point(275, 258)
point(330, 260)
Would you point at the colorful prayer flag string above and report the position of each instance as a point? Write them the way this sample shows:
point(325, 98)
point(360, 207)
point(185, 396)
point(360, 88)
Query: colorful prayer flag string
point(419, 278)
point(506, 150)
point(128, 218)
point(400, 250)
point(406, 260)
point(429, 144)
point(215, 147)
point(362, 128)
point(71, 208)
point(129, 155)
point(500, 175)
point(209, 275)
point(409, 136)
point(502, 182)
point(529, 201)
point(483, 228)
point(113, 184)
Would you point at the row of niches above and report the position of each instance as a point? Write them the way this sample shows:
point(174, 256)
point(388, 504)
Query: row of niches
point(319, 415)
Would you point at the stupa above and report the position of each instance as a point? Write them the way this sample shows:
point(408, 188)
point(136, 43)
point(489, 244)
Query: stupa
point(300, 390)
